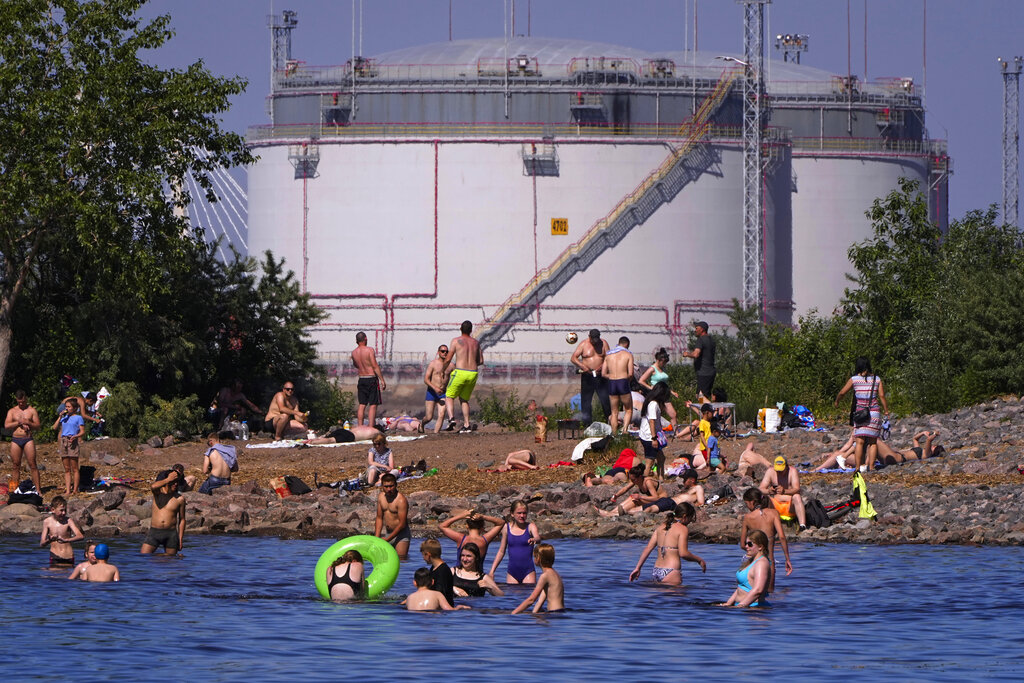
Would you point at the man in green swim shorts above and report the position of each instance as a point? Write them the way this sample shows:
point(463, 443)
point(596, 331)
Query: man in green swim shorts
point(465, 351)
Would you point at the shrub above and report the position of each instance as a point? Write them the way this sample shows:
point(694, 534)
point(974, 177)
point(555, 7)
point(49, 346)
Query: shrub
point(511, 414)
point(123, 410)
point(327, 405)
point(179, 415)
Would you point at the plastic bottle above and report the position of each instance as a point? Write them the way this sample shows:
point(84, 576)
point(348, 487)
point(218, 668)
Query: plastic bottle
point(236, 429)
point(347, 425)
point(245, 430)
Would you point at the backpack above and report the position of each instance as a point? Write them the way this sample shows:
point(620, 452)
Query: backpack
point(25, 493)
point(805, 416)
point(296, 486)
point(816, 514)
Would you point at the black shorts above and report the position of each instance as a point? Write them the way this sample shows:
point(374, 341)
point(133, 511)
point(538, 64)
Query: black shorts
point(368, 389)
point(268, 426)
point(163, 537)
point(663, 504)
point(341, 435)
point(705, 383)
point(615, 470)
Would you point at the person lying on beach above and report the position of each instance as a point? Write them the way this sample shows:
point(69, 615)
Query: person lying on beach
point(549, 586)
point(475, 533)
point(838, 458)
point(425, 599)
point(519, 460)
point(749, 459)
point(692, 493)
point(627, 460)
point(167, 526)
point(671, 542)
point(338, 434)
point(102, 571)
point(649, 495)
point(762, 516)
point(404, 423)
point(888, 456)
point(90, 559)
point(59, 532)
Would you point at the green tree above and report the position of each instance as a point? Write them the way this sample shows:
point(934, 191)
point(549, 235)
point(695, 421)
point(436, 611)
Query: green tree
point(94, 136)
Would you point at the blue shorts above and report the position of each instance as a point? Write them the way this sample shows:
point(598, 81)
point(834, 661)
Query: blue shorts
point(619, 387)
point(432, 395)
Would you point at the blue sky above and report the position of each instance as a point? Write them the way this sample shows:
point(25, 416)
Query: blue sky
point(963, 89)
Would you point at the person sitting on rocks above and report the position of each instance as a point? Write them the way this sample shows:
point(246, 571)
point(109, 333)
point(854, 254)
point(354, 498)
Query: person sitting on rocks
point(380, 460)
point(627, 460)
point(284, 417)
point(219, 461)
point(692, 493)
point(649, 495)
point(782, 484)
point(749, 459)
point(232, 401)
point(519, 460)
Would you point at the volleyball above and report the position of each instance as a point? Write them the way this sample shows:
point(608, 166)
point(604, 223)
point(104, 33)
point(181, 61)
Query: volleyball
point(571, 338)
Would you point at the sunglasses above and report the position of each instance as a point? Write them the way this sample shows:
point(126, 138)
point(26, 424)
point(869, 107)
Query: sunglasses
point(289, 388)
point(748, 544)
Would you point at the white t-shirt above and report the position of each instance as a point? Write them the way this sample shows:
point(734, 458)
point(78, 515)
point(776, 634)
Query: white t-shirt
point(653, 413)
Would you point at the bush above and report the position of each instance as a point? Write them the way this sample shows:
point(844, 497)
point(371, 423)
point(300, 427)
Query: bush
point(327, 405)
point(511, 414)
point(123, 410)
point(559, 411)
point(179, 415)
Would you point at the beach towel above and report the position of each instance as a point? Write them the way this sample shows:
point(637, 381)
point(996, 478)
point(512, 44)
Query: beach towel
point(296, 443)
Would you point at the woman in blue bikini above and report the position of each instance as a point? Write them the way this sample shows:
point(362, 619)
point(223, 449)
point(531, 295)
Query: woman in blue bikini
point(656, 373)
point(752, 577)
point(671, 542)
point(519, 536)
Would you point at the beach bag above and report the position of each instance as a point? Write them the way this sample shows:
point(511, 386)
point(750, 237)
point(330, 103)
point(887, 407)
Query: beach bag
point(296, 486)
point(662, 440)
point(862, 416)
point(25, 493)
point(805, 416)
point(837, 511)
point(816, 514)
point(280, 487)
point(768, 419)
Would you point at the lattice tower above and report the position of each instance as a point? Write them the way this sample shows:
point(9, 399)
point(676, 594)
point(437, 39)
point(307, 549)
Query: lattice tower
point(1011, 137)
point(753, 163)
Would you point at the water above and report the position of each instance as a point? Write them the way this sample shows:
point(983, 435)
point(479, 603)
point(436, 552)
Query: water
point(245, 609)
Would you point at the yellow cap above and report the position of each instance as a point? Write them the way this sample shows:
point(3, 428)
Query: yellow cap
point(780, 463)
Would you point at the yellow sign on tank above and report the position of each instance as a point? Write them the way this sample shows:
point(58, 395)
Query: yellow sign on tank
point(559, 226)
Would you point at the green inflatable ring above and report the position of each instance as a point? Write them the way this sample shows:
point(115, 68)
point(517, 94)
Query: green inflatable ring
point(374, 550)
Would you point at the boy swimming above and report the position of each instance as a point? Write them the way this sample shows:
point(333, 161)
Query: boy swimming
point(549, 586)
point(425, 599)
point(60, 531)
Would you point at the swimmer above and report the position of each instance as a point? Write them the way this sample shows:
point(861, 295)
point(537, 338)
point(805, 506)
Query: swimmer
point(627, 460)
point(475, 533)
point(60, 531)
point(549, 586)
point(167, 526)
point(671, 541)
point(763, 517)
point(517, 536)
point(519, 460)
point(469, 579)
point(102, 571)
point(345, 577)
point(440, 573)
point(752, 577)
point(425, 599)
point(90, 559)
point(23, 420)
point(650, 495)
point(392, 523)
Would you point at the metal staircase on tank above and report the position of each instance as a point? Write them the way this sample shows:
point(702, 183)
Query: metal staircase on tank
point(688, 160)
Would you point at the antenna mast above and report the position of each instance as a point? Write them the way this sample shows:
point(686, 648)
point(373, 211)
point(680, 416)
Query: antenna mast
point(1011, 137)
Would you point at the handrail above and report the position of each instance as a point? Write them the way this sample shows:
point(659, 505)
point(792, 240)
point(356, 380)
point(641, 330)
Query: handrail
point(694, 130)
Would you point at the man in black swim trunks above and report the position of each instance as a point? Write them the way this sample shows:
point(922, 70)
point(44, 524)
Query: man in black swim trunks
point(392, 522)
point(167, 527)
point(618, 370)
point(371, 380)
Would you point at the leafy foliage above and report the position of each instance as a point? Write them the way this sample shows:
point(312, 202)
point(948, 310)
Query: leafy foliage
point(511, 413)
point(176, 416)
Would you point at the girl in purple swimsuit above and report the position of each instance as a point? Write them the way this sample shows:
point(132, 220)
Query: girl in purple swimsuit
point(518, 536)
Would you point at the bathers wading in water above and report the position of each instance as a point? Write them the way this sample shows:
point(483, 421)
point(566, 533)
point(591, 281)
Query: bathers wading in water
point(57, 561)
point(334, 580)
point(403, 535)
point(470, 586)
point(163, 537)
point(661, 573)
point(520, 554)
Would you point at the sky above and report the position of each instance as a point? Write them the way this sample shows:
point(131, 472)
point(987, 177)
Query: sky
point(954, 57)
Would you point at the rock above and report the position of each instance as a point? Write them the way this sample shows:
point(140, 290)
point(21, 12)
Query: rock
point(168, 441)
point(113, 498)
point(487, 464)
point(19, 510)
point(155, 442)
point(111, 460)
point(252, 488)
point(461, 467)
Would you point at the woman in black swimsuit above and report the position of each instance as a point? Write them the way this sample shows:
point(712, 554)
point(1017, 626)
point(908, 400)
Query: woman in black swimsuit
point(345, 577)
point(469, 579)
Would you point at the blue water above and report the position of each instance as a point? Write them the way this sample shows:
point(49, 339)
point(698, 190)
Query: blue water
point(246, 609)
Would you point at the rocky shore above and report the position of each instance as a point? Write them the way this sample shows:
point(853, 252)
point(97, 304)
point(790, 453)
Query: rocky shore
point(972, 495)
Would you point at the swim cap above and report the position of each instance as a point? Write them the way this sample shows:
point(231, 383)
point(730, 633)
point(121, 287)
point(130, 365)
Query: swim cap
point(780, 464)
point(101, 552)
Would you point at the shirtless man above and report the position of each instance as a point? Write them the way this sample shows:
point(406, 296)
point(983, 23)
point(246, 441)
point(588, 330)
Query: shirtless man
point(219, 461)
point(589, 361)
point(24, 420)
point(283, 416)
point(371, 380)
point(167, 527)
point(467, 356)
point(749, 459)
point(782, 484)
point(232, 401)
point(338, 434)
point(618, 370)
point(59, 532)
point(436, 381)
point(393, 516)
point(692, 493)
point(762, 516)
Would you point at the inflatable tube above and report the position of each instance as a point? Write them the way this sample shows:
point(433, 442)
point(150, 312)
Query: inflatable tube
point(374, 550)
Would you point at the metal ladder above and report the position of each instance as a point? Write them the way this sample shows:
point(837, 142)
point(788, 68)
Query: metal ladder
point(688, 160)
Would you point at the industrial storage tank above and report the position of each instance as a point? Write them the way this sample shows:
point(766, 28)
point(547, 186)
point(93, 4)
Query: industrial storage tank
point(539, 186)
